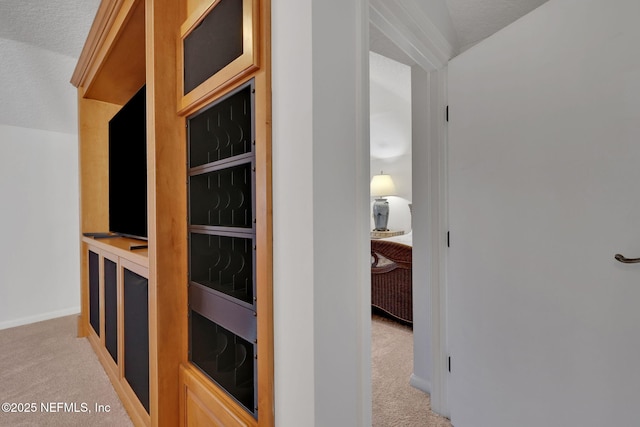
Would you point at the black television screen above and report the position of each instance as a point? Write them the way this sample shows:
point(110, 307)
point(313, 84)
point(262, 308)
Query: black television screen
point(128, 168)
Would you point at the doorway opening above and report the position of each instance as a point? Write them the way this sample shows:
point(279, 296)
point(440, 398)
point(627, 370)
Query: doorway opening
point(394, 401)
point(393, 33)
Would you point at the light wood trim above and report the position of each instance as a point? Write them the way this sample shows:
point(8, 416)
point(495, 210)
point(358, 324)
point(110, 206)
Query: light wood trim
point(239, 68)
point(119, 246)
point(194, 5)
point(166, 160)
point(82, 332)
point(121, 71)
point(103, 21)
point(216, 408)
point(113, 62)
point(129, 400)
point(136, 410)
point(196, 16)
point(139, 269)
point(93, 143)
point(93, 338)
point(264, 228)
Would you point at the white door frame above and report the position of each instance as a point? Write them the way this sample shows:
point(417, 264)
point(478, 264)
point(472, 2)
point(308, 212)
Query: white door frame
point(430, 50)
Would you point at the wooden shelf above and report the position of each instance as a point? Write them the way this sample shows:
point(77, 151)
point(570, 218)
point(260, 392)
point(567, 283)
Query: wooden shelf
point(120, 246)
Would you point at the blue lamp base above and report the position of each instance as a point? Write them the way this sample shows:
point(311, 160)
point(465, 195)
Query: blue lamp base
point(381, 214)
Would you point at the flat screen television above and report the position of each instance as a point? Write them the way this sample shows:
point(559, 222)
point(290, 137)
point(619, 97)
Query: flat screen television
point(128, 169)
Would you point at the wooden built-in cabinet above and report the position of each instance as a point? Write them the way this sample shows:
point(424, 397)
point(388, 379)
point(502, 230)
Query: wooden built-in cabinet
point(118, 306)
point(184, 342)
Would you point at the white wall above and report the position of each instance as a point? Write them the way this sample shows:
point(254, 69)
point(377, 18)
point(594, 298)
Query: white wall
point(293, 263)
point(390, 133)
point(39, 250)
point(544, 156)
point(321, 214)
point(423, 125)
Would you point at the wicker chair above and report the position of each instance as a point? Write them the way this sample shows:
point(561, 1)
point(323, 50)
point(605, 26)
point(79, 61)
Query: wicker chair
point(391, 287)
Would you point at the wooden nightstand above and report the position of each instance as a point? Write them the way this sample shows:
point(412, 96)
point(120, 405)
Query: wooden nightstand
point(382, 234)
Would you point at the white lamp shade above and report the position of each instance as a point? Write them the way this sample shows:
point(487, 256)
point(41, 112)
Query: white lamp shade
point(382, 185)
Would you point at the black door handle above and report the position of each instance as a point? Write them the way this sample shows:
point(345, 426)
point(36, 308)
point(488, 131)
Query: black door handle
point(626, 260)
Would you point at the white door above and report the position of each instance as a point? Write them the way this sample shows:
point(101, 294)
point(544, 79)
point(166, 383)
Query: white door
point(544, 179)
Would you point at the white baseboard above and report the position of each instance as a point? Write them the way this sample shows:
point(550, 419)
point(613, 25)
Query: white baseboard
point(39, 317)
point(420, 383)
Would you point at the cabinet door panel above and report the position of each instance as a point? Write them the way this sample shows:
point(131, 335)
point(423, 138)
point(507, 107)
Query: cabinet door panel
point(94, 291)
point(111, 308)
point(136, 335)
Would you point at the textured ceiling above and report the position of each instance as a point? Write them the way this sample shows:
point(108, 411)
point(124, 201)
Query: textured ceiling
point(62, 25)
point(40, 41)
point(57, 25)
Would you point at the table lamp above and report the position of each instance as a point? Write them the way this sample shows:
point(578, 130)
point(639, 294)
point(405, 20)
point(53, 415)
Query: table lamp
point(381, 186)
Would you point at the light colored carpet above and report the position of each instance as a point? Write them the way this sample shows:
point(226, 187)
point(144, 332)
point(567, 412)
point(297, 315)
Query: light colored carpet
point(395, 402)
point(46, 365)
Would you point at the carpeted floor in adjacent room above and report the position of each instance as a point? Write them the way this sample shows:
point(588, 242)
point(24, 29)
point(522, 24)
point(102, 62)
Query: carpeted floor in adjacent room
point(395, 402)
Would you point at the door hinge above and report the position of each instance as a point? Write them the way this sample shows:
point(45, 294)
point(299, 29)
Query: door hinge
point(448, 239)
point(449, 363)
point(446, 114)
